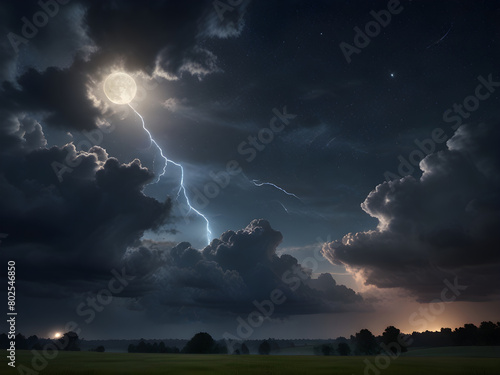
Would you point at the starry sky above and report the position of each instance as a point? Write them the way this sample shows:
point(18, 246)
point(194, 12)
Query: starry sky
point(344, 153)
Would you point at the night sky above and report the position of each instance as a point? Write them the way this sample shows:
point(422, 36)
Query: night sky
point(358, 175)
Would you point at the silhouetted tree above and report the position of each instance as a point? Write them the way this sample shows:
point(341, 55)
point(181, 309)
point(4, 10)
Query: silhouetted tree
point(324, 349)
point(426, 338)
point(21, 342)
point(33, 342)
point(201, 343)
point(142, 347)
point(391, 335)
point(274, 345)
point(466, 335)
point(445, 337)
point(220, 348)
point(365, 342)
point(244, 349)
point(4, 341)
point(264, 348)
point(488, 333)
point(69, 342)
point(344, 348)
point(327, 349)
point(162, 348)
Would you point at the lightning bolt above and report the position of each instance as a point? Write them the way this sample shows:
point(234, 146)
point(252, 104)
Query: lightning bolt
point(282, 205)
point(441, 39)
point(182, 188)
point(258, 183)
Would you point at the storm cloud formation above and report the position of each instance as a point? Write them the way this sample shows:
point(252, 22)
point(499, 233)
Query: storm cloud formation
point(165, 42)
point(70, 233)
point(75, 229)
point(441, 225)
point(210, 80)
point(228, 275)
point(78, 227)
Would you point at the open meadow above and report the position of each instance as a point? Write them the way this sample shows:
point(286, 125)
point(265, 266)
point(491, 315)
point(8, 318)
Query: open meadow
point(89, 363)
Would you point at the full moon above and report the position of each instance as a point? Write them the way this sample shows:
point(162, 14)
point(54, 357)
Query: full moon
point(57, 335)
point(120, 88)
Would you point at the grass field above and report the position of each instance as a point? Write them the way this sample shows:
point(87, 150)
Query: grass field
point(457, 351)
point(88, 363)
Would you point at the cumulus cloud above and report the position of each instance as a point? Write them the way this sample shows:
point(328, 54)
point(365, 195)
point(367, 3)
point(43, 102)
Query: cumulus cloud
point(227, 276)
point(440, 225)
point(76, 230)
point(79, 228)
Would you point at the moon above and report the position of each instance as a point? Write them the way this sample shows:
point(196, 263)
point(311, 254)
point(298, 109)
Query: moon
point(57, 335)
point(120, 88)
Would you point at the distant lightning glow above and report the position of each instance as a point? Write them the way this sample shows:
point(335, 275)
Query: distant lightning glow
point(257, 183)
point(182, 188)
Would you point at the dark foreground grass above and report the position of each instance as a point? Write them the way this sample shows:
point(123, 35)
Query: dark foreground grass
point(88, 363)
point(457, 351)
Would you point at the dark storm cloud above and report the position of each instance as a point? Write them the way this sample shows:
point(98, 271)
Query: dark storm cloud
point(34, 62)
point(77, 230)
point(41, 36)
point(441, 225)
point(226, 75)
point(228, 275)
point(84, 38)
point(59, 95)
point(20, 132)
point(165, 35)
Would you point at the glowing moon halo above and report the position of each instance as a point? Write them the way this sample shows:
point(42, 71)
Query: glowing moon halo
point(120, 88)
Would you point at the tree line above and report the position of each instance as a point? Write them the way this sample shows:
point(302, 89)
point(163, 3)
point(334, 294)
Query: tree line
point(67, 342)
point(365, 343)
point(201, 343)
point(362, 343)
